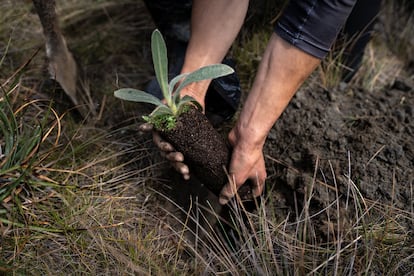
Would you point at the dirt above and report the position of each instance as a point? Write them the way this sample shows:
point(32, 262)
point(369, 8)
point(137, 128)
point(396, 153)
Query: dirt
point(204, 148)
point(328, 142)
point(346, 143)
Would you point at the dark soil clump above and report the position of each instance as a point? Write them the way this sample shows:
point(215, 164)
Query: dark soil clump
point(353, 144)
point(205, 150)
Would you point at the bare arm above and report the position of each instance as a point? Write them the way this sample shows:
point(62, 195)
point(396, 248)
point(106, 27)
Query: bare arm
point(214, 26)
point(281, 72)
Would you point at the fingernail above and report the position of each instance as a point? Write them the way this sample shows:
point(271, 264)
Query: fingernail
point(184, 170)
point(179, 158)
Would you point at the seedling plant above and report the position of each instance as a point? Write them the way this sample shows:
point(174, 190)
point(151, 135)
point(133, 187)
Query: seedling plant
point(166, 112)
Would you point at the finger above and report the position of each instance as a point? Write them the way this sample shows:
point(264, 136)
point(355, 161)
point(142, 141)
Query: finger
point(228, 192)
point(182, 169)
point(161, 143)
point(175, 156)
point(145, 127)
point(259, 181)
point(258, 187)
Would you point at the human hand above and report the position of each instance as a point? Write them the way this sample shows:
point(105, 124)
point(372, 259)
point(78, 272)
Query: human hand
point(247, 162)
point(167, 151)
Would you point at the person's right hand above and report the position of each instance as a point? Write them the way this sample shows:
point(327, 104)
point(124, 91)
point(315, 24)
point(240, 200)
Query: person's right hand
point(247, 162)
point(167, 151)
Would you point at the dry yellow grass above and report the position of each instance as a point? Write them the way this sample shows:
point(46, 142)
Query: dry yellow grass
point(92, 202)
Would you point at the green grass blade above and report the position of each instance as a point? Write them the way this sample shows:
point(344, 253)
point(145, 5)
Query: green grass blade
point(159, 58)
point(7, 126)
point(7, 190)
point(33, 228)
point(27, 144)
point(5, 51)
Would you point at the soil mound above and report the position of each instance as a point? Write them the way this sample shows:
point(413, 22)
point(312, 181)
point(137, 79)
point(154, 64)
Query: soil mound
point(346, 143)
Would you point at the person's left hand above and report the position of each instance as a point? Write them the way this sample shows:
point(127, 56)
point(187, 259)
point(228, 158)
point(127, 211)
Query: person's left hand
point(247, 162)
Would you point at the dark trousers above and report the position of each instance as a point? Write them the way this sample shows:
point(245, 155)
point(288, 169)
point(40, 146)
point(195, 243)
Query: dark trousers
point(311, 25)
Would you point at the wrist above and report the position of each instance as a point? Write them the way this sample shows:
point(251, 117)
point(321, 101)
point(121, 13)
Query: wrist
point(247, 137)
point(197, 91)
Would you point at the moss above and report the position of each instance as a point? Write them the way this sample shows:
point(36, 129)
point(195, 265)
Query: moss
point(166, 122)
point(163, 122)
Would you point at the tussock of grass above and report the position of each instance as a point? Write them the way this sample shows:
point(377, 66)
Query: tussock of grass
point(397, 18)
point(267, 244)
point(249, 56)
point(380, 68)
point(24, 128)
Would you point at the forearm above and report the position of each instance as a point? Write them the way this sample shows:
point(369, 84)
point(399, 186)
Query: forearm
point(281, 72)
point(214, 26)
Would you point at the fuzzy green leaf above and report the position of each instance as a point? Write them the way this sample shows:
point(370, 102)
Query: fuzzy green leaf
point(208, 72)
point(135, 95)
point(175, 80)
point(173, 83)
point(160, 60)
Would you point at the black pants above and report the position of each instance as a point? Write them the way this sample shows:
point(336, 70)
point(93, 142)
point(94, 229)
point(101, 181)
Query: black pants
point(311, 25)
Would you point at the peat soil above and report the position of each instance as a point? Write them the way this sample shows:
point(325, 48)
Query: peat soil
point(344, 143)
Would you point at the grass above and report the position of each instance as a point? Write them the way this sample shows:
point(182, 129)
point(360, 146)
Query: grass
point(24, 130)
point(81, 198)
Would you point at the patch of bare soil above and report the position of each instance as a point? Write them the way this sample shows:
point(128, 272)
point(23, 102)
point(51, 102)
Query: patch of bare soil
point(338, 143)
point(205, 150)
